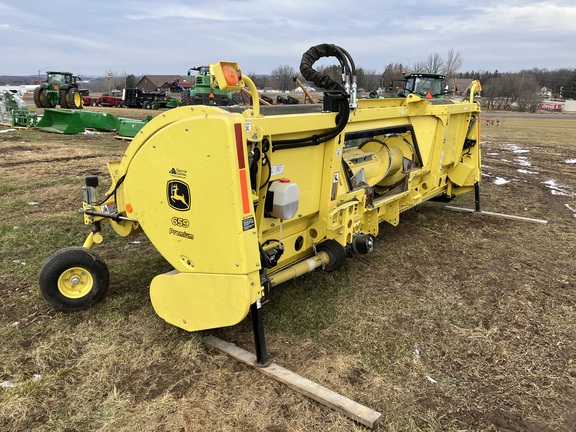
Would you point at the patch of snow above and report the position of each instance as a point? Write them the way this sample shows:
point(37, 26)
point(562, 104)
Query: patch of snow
point(570, 161)
point(432, 380)
point(7, 130)
point(517, 149)
point(501, 181)
point(523, 171)
point(557, 190)
point(522, 161)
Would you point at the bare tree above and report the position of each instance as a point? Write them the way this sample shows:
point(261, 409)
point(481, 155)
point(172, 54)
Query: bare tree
point(501, 92)
point(392, 77)
point(420, 66)
point(281, 77)
point(260, 81)
point(368, 80)
point(528, 92)
point(434, 63)
point(452, 64)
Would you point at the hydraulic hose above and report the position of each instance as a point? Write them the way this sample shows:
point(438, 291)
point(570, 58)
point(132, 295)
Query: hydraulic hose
point(310, 74)
point(325, 82)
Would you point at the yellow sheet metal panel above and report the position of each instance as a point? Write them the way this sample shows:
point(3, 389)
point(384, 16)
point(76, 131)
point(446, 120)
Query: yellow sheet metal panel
point(199, 301)
point(188, 186)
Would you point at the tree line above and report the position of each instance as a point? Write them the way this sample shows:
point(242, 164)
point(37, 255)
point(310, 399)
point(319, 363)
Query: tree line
point(500, 90)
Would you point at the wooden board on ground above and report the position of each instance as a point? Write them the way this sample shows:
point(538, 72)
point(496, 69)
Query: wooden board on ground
point(501, 215)
point(325, 396)
point(118, 137)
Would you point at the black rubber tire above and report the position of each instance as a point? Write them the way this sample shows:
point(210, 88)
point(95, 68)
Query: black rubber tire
point(93, 103)
point(336, 253)
point(118, 105)
point(59, 291)
point(185, 98)
point(38, 96)
point(41, 99)
point(74, 99)
point(63, 99)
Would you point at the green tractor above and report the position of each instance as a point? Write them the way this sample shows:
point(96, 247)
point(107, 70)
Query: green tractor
point(202, 93)
point(60, 88)
point(428, 85)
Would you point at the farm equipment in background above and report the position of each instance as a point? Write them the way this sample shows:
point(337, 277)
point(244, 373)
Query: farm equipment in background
point(13, 110)
point(165, 102)
point(136, 98)
point(67, 121)
point(110, 101)
point(288, 100)
point(203, 92)
point(60, 88)
point(89, 101)
point(241, 200)
point(428, 85)
point(307, 94)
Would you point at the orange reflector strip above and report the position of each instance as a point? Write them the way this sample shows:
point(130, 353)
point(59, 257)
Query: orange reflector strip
point(211, 95)
point(242, 168)
point(244, 189)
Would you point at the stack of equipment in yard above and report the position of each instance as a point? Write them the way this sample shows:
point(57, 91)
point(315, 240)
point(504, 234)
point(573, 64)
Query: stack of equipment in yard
point(60, 88)
point(61, 121)
point(136, 98)
point(14, 111)
point(75, 122)
point(240, 200)
point(165, 102)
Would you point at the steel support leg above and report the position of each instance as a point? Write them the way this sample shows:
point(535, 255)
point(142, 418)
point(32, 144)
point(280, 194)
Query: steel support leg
point(262, 359)
point(477, 195)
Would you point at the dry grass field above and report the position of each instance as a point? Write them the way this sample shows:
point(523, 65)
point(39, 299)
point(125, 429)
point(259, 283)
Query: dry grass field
point(456, 322)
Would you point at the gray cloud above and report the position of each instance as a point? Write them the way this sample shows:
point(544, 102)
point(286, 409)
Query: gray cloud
point(170, 36)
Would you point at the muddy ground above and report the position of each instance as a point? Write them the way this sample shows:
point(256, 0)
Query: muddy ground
point(455, 322)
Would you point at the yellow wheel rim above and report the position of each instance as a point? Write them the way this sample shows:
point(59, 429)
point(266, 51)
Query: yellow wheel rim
point(77, 99)
point(75, 282)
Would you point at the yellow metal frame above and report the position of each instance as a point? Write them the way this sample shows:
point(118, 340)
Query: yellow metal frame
point(189, 182)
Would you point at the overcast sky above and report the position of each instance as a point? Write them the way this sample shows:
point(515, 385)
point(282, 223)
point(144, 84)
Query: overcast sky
point(170, 36)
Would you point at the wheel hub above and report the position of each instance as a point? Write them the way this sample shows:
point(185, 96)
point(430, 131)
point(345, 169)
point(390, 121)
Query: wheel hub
point(75, 282)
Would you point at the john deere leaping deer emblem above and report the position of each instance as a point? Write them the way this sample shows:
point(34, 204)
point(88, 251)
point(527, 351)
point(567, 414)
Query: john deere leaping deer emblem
point(178, 195)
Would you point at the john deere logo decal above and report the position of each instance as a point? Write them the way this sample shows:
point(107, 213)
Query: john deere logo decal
point(178, 195)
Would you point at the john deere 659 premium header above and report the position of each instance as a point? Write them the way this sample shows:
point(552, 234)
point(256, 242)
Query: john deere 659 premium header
point(239, 201)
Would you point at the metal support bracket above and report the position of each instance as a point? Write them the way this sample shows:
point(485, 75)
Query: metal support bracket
point(262, 359)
